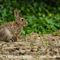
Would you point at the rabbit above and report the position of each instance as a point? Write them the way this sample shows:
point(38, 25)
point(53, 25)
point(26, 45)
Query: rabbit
point(10, 31)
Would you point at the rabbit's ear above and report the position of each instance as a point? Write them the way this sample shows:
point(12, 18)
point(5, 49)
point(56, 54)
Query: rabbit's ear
point(17, 15)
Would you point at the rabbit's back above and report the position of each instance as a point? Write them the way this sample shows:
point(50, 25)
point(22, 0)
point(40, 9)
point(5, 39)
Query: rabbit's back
point(9, 31)
point(5, 34)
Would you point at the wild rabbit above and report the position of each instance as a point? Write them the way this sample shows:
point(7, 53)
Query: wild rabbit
point(10, 31)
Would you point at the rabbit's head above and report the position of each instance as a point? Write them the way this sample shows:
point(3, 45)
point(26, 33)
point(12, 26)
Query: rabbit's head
point(19, 20)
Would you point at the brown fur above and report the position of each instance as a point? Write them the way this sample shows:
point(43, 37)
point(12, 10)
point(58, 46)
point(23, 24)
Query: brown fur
point(10, 31)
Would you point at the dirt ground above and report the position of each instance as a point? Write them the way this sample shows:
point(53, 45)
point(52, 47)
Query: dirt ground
point(32, 47)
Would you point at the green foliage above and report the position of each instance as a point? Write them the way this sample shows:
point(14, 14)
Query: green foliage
point(41, 16)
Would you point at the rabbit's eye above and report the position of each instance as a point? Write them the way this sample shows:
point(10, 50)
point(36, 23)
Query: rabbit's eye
point(22, 19)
